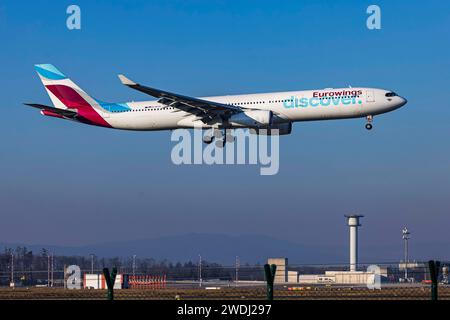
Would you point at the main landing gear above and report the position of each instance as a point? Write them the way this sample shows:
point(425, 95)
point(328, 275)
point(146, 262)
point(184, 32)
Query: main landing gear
point(218, 135)
point(208, 139)
point(369, 122)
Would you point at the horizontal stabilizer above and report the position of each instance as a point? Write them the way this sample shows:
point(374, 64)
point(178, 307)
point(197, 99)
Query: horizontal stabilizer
point(63, 112)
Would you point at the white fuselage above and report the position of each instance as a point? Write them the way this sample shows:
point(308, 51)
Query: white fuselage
point(287, 107)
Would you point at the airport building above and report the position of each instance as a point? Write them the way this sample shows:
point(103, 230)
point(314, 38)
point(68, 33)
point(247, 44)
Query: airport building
point(352, 276)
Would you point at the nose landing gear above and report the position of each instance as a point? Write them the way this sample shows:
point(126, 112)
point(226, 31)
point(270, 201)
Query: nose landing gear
point(369, 122)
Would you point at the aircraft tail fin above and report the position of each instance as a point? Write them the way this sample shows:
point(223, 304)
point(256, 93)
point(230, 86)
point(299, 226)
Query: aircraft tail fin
point(63, 92)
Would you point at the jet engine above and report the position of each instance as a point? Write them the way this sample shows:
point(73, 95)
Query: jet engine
point(283, 129)
point(252, 118)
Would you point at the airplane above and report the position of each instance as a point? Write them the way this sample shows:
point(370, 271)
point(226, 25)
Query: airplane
point(261, 112)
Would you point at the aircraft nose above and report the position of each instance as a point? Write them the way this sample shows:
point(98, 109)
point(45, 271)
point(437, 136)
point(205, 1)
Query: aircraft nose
point(403, 101)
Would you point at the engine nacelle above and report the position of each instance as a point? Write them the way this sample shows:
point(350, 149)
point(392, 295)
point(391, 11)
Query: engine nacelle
point(252, 118)
point(283, 129)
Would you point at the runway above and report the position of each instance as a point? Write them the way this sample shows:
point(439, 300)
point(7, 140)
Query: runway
point(230, 293)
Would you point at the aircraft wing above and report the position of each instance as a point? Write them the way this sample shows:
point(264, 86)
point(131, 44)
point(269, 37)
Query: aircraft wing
point(206, 110)
point(66, 113)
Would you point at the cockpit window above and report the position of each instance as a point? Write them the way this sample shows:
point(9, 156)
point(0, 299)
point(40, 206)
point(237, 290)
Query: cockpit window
point(390, 94)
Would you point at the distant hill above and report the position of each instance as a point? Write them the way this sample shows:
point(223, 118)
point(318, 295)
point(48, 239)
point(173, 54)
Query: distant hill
point(213, 247)
point(251, 249)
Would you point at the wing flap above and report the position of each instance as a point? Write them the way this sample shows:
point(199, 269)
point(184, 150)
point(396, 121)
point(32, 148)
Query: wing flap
point(208, 110)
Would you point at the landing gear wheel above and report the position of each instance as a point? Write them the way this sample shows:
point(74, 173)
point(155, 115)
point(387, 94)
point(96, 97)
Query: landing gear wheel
point(229, 138)
point(217, 134)
point(208, 139)
point(369, 126)
point(220, 143)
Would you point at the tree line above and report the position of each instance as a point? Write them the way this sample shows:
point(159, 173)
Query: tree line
point(37, 268)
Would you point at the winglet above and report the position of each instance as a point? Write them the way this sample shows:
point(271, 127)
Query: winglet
point(126, 81)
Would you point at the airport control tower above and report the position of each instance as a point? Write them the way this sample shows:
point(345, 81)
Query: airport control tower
point(353, 223)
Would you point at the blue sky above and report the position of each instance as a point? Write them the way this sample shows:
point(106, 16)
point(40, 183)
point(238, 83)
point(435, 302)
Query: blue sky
point(65, 183)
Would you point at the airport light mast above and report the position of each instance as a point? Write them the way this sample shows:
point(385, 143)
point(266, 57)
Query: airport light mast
point(53, 269)
point(134, 265)
point(12, 268)
point(92, 263)
point(406, 236)
point(237, 269)
point(200, 270)
point(48, 269)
